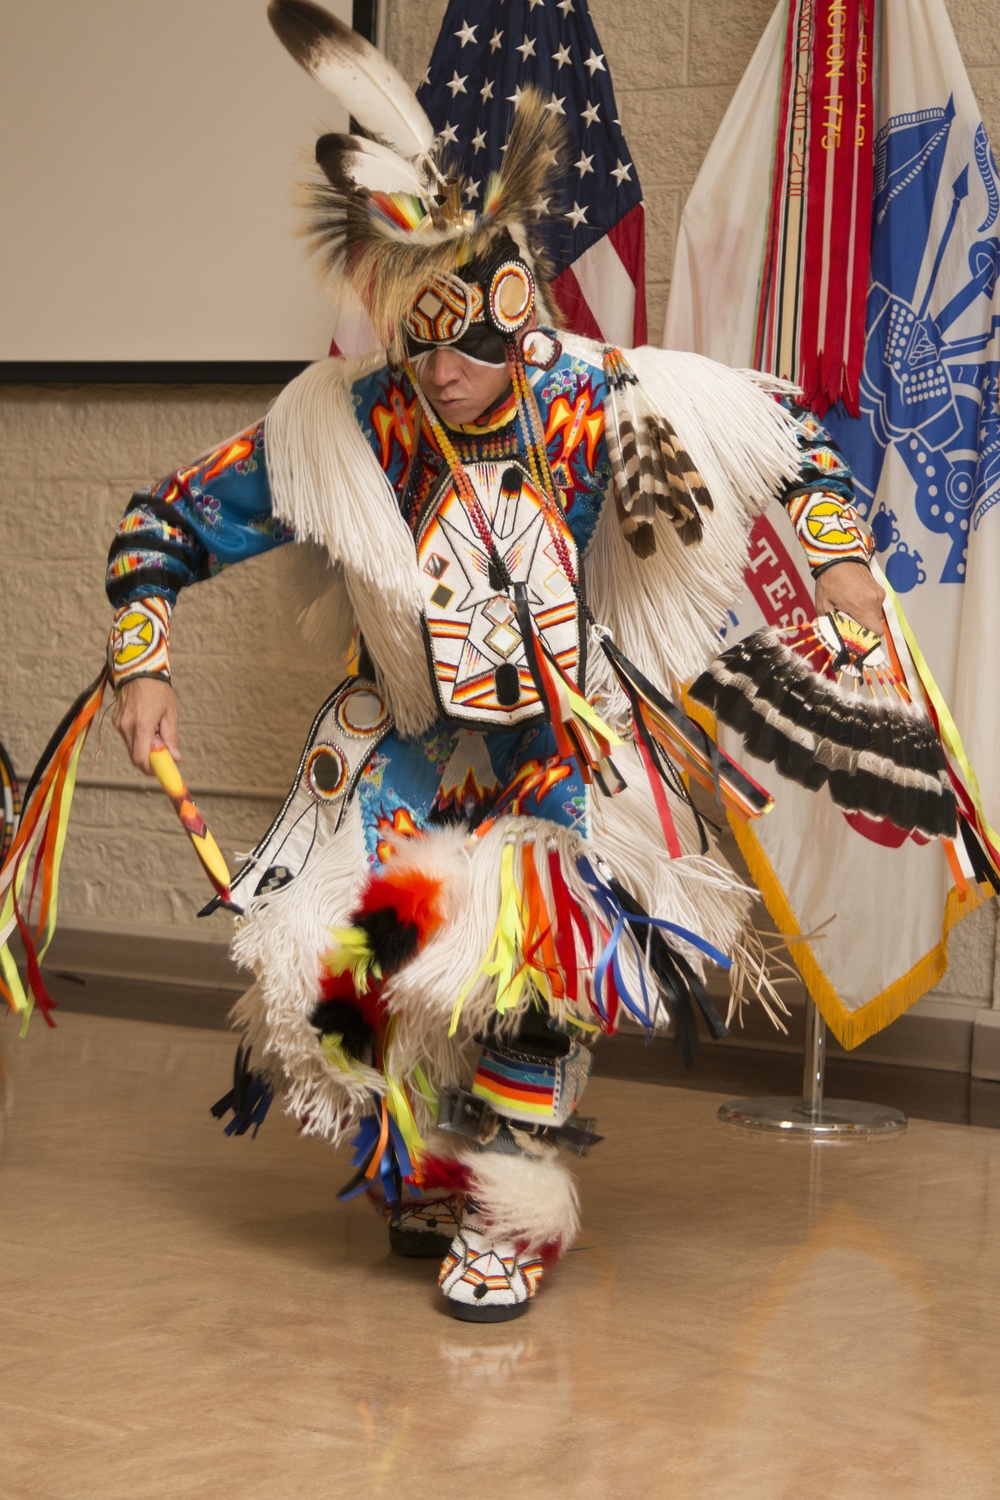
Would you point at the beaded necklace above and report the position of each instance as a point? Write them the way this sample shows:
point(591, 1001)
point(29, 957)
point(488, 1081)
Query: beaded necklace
point(538, 464)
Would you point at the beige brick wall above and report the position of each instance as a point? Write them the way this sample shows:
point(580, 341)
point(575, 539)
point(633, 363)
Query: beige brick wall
point(71, 456)
point(247, 690)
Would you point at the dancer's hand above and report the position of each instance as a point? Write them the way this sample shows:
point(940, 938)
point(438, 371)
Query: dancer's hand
point(144, 707)
point(850, 588)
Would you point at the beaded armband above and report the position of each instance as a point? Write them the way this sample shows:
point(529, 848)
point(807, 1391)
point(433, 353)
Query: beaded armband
point(830, 530)
point(139, 643)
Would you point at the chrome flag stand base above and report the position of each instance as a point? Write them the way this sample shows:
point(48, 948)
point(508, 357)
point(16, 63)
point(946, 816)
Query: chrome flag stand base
point(812, 1115)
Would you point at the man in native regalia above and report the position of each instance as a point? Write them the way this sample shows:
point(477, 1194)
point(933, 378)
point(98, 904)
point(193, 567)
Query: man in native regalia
point(487, 857)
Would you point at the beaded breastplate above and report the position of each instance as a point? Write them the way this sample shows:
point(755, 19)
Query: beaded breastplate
point(477, 657)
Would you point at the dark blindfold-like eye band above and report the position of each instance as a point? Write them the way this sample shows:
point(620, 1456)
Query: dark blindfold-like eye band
point(479, 342)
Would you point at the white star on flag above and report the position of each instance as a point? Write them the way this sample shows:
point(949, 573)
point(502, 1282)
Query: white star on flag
point(479, 141)
point(472, 190)
point(622, 173)
point(591, 114)
point(583, 164)
point(516, 96)
point(486, 92)
point(496, 41)
point(556, 105)
point(467, 34)
point(595, 62)
point(456, 84)
point(449, 134)
point(577, 214)
point(562, 57)
point(527, 48)
point(565, 6)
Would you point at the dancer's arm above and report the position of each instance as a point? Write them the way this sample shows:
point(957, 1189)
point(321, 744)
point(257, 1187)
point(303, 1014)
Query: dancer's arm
point(835, 539)
point(188, 527)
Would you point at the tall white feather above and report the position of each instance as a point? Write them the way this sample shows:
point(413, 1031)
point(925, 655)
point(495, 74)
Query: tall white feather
point(355, 73)
point(369, 165)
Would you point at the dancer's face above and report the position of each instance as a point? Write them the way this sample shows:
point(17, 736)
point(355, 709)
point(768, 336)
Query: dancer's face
point(460, 389)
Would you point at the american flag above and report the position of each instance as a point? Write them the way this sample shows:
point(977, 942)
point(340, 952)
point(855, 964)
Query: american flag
point(486, 53)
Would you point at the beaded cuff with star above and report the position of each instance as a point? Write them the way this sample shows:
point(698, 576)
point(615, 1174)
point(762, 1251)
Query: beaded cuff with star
point(830, 530)
point(139, 643)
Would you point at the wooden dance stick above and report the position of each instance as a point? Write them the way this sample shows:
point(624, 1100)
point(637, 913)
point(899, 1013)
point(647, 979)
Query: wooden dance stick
point(166, 772)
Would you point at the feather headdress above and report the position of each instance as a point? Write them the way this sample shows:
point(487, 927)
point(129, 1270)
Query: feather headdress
point(383, 212)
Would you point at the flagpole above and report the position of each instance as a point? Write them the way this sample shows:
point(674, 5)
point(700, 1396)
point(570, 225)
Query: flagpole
point(814, 1116)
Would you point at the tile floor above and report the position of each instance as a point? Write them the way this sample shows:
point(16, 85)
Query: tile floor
point(190, 1316)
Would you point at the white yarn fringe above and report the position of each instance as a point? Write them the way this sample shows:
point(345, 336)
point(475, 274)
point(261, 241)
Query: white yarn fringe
point(323, 609)
point(282, 937)
point(531, 1200)
point(327, 484)
point(665, 611)
point(699, 892)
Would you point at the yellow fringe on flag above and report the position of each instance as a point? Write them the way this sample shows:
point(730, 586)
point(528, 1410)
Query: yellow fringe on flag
point(850, 1027)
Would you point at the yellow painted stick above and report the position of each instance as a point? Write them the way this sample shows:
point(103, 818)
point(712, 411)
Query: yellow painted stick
point(166, 772)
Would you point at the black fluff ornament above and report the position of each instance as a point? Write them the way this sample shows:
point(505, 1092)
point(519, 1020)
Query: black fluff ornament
point(341, 1018)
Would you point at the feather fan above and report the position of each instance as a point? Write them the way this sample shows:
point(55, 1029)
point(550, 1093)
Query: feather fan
point(823, 703)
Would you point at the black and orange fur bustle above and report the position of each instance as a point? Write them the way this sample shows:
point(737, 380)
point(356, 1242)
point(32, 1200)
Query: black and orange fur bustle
point(398, 912)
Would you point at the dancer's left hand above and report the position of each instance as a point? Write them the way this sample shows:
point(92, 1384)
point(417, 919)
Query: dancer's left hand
point(850, 588)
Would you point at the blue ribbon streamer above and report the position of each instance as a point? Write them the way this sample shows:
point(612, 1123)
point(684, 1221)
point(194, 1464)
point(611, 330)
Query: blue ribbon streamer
point(621, 923)
point(394, 1163)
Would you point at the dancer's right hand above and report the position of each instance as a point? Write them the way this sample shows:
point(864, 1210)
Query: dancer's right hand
point(144, 707)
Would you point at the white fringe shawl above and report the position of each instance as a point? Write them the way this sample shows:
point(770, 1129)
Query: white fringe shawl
point(327, 484)
point(665, 611)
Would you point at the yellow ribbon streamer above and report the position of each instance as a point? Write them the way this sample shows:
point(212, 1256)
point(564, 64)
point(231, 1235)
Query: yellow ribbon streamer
point(505, 961)
point(65, 807)
point(402, 1112)
point(588, 713)
point(22, 999)
point(425, 1091)
point(950, 735)
point(22, 1003)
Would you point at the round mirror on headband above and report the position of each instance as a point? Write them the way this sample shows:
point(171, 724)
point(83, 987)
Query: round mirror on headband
point(511, 296)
